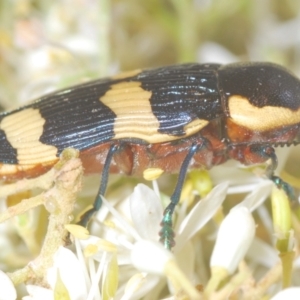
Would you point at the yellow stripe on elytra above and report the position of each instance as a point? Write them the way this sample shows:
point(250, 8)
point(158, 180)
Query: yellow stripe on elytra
point(135, 119)
point(23, 131)
point(243, 113)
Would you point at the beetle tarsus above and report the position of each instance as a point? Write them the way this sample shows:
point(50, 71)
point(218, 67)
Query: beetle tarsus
point(269, 153)
point(166, 233)
point(284, 186)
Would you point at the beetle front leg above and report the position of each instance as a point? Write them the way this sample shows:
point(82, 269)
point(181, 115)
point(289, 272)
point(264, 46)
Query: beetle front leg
point(167, 233)
point(85, 218)
point(268, 152)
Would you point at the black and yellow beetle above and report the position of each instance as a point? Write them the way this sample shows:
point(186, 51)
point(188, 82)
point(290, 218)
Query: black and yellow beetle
point(172, 118)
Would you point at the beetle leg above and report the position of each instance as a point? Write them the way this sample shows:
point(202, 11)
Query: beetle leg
point(104, 179)
point(268, 152)
point(167, 233)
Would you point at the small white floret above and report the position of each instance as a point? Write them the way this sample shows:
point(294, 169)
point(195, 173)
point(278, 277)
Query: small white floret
point(234, 238)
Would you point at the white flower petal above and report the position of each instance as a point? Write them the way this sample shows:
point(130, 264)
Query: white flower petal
point(8, 291)
point(152, 257)
point(186, 259)
point(262, 253)
point(148, 256)
point(259, 194)
point(210, 51)
point(81, 45)
point(234, 238)
point(70, 272)
point(139, 286)
point(37, 293)
point(120, 222)
point(146, 212)
point(202, 212)
point(292, 293)
point(240, 180)
point(297, 263)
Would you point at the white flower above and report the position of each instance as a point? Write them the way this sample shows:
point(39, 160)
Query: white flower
point(7, 290)
point(68, 271)
point(37, 293)
point(292, 293)
point(136, 243)
point(146, 212)
point(201, 213)
point(150, 257)
point(127, 262)
point(235, 236)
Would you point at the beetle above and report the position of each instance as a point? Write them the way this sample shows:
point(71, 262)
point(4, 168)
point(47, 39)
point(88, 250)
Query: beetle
point(172, 118)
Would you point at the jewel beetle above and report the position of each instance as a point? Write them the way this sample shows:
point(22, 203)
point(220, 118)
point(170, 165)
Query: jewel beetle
point(172, 118)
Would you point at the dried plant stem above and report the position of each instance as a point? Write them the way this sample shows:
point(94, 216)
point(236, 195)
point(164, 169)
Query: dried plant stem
point(264, 284)
point(44, 182)
point(61, 198)
point(21, 208)
point(253, 291)
point(233, 285)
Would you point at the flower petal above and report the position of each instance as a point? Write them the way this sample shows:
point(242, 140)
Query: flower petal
point(8, 291)
point(70, 272)
point(37, 293)
point(150, 257)
point(140, 285)
point(292, 293)
point(146, 212)
point(202, 212)
point(234, 238)
point(258, 195)
point(262, 253)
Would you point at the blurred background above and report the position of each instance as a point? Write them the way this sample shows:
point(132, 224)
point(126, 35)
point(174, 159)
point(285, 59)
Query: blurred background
point(45, 45)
